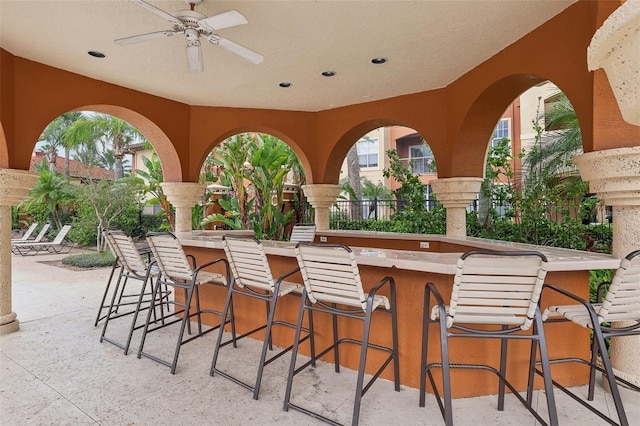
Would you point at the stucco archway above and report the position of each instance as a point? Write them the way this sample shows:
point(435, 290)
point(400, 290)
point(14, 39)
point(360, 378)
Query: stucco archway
point(470, 143)
point(218, 139)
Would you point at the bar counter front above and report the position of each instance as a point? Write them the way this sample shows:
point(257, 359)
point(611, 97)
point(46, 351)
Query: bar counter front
point(414, 260)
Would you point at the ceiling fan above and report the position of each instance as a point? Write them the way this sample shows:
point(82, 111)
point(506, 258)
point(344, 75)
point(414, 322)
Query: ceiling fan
point(192, 25)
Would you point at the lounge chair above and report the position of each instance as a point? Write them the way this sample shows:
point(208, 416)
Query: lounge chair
point(38, 239)
point(58, 245)
point(27, 234)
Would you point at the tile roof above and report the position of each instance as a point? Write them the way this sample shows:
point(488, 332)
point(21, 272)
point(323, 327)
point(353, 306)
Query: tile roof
point(76, 168)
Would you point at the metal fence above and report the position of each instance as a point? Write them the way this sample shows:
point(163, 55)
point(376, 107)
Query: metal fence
point(347, 210)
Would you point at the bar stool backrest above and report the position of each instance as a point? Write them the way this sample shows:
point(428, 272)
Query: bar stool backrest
point(622, 301)
point(303, 233)
point(492, 287)
point(331, 274)
point(125, 249)
point(170, 257)
point(248, 262)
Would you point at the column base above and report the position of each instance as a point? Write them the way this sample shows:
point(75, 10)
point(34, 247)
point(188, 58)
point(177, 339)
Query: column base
point(11, 327)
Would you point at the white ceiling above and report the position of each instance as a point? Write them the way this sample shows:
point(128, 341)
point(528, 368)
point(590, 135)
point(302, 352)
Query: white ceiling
point(428, 43)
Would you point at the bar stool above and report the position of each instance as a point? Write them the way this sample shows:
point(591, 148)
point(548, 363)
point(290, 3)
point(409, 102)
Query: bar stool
point(618, 315)
point(132, 266)
point(332, 285)
point(252, 277)
point(178, 272)
point(489, 288)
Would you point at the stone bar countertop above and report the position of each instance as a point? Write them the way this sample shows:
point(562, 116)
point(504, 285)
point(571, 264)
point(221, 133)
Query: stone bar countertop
point(441, 263)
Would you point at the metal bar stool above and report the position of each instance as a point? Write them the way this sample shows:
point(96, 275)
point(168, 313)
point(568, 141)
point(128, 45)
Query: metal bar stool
point(332, 285)
point(252, 277)
point(177, 272)
point(489, 288)
point(132, 266)
point(618, 315)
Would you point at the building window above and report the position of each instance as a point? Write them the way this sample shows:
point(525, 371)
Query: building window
point(368, 153)
point(502, 130)
point(422, 158)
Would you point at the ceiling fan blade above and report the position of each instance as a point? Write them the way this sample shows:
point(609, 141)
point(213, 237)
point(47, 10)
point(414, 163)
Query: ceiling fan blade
point(194, 56)
point(236, 48)
point(145, 37)
point(227, 19)
point(157, 11)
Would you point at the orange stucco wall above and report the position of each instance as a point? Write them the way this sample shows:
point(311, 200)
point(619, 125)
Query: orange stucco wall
point(456, 120)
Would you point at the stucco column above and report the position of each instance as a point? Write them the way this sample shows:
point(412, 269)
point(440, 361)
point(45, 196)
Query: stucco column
point(615, 47)
point(14, 186)
point(456, 194)
point(183, 196)
point(321, 196)
point(614, 174)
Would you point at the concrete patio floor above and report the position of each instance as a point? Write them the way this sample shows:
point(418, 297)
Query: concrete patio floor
point(54, 371)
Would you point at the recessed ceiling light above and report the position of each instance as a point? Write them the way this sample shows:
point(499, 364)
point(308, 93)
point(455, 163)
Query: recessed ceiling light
point(378, 61)
point(285, 84)
point(96, 54)
point(328, 73)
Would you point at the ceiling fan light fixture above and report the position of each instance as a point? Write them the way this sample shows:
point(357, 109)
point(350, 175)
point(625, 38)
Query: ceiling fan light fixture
point(96, 54)
point(328, 73)
point(378, 61)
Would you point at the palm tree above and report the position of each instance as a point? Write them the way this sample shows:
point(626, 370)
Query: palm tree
point(52, 191)
point(550, 161)
point(90, 129)
point(153, 178)
point(53, 135)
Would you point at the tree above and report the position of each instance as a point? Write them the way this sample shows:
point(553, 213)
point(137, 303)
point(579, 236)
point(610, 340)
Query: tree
point(108, 200)
point(551, 157)
point(256, 167)
point(372, 191)
point(153, 177)
point(412, 191)
point(498, 183)
point(53, 191)
point(231, 156)
point(271, 162)
point(54, 136)
point(90, 129)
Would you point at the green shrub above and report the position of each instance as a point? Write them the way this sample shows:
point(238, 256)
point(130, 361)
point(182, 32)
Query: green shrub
point(90, 260)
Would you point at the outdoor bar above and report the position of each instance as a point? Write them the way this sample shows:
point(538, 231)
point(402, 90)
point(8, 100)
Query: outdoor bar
point(400, 255)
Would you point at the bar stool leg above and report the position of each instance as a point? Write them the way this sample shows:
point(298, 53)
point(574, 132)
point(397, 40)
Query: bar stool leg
point(155, 289)
point(152, 305)
point(394, 337)
point(425, 345)
point(228, 307)
point(363, 362)
point(106, 291)
point(267, 339)
point(546, 368)
point(503, 371)
point(186, 323)
point(110, 307)
point(294, 350)
point(336, 350)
